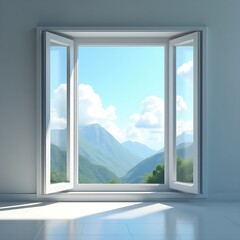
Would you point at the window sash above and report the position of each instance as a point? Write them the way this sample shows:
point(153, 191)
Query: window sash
point(49, 187)
point(173, 183)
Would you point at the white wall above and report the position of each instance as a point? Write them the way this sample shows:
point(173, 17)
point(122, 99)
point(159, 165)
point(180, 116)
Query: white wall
point(18, 21)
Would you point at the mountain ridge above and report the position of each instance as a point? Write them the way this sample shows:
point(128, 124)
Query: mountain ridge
point(138, 149)
point(101, 139)
point(136, 174)
point(99, 147)
point(88, 172)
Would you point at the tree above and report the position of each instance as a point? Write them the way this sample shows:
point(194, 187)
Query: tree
point(185, 170)
point(157, 176)
point(114, 181)
point(57, 177)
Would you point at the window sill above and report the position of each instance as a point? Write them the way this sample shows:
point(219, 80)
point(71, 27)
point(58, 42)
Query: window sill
point(120, 196)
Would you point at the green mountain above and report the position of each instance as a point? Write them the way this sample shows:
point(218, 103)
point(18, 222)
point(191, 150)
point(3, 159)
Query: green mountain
point(59, 138)
point(91, 173)
point(137, 173)
point(96, 156)
point(184, 137)
point(100, 148)
point(107, 150)
point(88, 172)
point(58, 164)
point(138, 149)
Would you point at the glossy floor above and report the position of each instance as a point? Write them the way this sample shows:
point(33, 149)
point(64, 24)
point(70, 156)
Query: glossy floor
point(120, 221)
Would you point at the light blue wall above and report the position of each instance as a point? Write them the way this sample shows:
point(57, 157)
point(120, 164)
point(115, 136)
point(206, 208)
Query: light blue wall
point(18, 21)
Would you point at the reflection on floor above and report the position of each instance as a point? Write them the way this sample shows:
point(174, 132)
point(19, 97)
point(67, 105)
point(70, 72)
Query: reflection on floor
point(120, 221)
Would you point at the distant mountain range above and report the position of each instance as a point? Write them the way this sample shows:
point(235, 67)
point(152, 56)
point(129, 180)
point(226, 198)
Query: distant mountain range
point(59, 138)
point(139, 149)
point(99, 147)
point(92, 173)
point(137, 173)
point(88, 172)
point(115, 157)
point(103, 158)
point(184, 138)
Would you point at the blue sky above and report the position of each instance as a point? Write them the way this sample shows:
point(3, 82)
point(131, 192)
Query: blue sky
point(122, 88)
point(123, 76)
point(58, 70)
point(184, 55)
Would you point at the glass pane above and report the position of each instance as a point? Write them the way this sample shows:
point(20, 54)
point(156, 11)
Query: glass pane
point(184, 113)
point(58, 112)
point(121, 114)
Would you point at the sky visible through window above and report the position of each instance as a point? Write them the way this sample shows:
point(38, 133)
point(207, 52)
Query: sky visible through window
point(127, 89)
point(184, 88)
point(184, 112)
point(127, 85)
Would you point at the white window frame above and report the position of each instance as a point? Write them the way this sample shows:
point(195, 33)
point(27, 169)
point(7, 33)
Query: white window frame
point(92, 39)
point(62, 186)
point(194, 187)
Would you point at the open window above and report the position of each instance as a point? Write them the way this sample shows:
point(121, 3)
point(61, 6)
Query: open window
point(78, 148)
point(184, 112)
point(58, 112)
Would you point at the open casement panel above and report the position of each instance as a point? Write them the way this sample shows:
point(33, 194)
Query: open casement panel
point(184, 112)
point(58, 168)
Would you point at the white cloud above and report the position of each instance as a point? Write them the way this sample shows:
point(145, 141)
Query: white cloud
point(112, 128)
point(147, 126)
point(181, 104)
point(184, 126)
point(57, 122)
point(58, 108)
point(185, 68)
point(153, 138)
point(186, 71)
point(91, 110)
point(132, 132)
point(152, 113)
